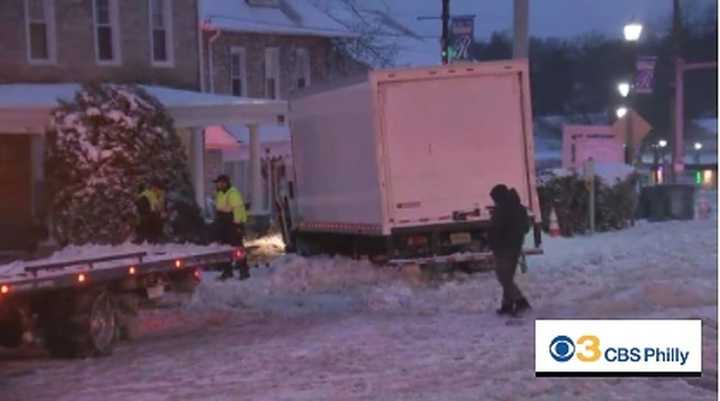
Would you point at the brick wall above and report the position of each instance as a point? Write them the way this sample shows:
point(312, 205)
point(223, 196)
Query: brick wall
point(76, 46)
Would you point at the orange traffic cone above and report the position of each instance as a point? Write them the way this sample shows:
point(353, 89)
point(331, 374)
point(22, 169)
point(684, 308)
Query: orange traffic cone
point(554, 226)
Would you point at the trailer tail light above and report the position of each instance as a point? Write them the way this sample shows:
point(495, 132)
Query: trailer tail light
point(178, 264)
point(81, 278)
point(239, 254)
point(4, 289)
point(132, 270)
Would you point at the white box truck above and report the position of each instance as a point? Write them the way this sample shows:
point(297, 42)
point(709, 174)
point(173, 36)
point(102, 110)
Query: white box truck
point(399, 165)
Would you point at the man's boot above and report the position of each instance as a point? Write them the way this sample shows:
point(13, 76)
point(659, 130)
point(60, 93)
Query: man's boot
point(243, 272)
point(506, 309)
point(522, 305)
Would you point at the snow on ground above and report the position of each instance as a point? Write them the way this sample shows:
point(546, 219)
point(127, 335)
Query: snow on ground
point(335, 329)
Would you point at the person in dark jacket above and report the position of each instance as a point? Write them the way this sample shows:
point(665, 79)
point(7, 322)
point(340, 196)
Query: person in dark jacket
point(509, 224)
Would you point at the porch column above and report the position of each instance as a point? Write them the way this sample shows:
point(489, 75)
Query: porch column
point(255, 171)
point(197, 165)
point(38, 176)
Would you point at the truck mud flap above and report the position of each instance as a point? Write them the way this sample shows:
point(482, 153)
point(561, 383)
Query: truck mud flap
point(456, 258)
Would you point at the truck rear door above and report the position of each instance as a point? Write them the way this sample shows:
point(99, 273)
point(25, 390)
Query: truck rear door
point(448, 140)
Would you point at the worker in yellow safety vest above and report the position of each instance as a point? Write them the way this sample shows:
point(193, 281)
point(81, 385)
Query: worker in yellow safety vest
point(151, 212)
point(230, 219)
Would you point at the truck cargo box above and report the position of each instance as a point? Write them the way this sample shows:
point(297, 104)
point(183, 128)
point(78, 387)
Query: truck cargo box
point(406, 149)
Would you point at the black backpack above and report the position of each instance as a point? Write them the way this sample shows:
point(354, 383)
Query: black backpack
point(522, 214)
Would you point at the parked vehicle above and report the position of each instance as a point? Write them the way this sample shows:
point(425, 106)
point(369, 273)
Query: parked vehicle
point(399, 165)
point(79, 307)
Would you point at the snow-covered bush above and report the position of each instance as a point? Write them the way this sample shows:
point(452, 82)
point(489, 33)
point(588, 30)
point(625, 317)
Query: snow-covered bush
point(102, 147)
point(569, 196)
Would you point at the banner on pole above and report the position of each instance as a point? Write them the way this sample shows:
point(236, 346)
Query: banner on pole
point(462, 34)
point(644, 74)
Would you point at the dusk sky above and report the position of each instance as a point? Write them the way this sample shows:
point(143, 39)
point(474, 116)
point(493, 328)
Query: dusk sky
point(559, 18)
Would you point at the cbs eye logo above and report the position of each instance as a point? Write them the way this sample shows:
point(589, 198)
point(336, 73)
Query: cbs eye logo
point(562, 349)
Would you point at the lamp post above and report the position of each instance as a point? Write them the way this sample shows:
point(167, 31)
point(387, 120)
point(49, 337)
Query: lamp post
point(621, 112)
point(662, 144)
point(698, 147)
point(624, 89)
point(632, 32)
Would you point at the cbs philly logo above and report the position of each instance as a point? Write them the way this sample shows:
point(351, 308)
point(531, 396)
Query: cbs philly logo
point(587, 349)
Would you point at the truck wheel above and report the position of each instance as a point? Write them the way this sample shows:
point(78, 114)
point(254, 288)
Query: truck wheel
point(11, 328)
point(90, 329)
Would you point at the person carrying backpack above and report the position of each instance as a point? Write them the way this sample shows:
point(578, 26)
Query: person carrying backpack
point(509, 224)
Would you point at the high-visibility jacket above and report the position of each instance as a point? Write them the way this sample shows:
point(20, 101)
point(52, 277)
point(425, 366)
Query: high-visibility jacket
point(231, 201)
point(154, 199)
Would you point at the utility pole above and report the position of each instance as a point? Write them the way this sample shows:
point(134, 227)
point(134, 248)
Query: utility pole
point(445, 23)
point(520, 37)
point(677, 103)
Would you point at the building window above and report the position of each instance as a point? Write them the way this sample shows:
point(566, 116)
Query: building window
point(161, 32)
point(302, 69)
point(40, 25)
point(238, 71)
point(708, 177)
point(272, 73)
point(107, 35)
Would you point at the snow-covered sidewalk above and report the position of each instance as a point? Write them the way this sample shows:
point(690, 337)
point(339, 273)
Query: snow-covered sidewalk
point(335, 329)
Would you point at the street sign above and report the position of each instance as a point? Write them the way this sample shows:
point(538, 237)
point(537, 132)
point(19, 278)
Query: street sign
point(462, 32)
point(640, 128)
point(645, 74)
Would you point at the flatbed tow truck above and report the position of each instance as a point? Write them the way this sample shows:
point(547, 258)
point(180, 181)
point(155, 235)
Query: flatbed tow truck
point(80, 306)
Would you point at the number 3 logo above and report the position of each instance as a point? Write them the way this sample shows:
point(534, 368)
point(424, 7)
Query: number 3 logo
point(591, 351)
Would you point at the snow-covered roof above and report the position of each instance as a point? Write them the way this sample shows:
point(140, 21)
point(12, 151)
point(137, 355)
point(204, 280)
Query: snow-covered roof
point(25, 107)
point(292, 17)
point(39, 95)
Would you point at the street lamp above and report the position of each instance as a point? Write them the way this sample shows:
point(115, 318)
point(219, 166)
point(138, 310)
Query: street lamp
point(662, 143)
point(621, 111)
point(632, 31)
point(624, 89)
point(698, 146)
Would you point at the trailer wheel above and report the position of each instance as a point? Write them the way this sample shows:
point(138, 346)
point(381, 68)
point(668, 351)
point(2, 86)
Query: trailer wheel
point(90, 330)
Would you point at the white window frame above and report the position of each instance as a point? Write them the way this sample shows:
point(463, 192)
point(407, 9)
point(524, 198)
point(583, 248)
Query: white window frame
point(169, 35)
point(241, 53)
point(303, 67)
point(115, 29)
point(50, 33)
point(272, 59)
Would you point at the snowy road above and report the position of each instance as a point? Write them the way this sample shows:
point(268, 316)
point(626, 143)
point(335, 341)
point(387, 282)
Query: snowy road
point(333, 329)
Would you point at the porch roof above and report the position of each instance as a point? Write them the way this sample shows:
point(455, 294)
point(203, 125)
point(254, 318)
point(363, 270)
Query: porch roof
point(24, 108)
